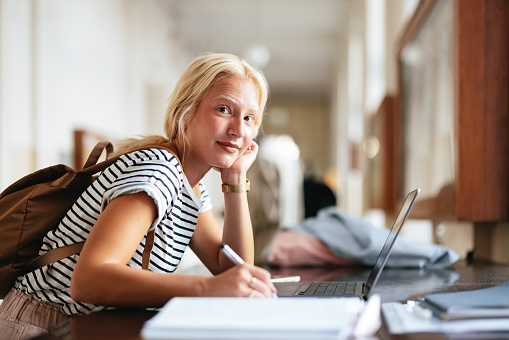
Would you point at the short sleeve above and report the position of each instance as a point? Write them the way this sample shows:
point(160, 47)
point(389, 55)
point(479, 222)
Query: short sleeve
point(161, 179)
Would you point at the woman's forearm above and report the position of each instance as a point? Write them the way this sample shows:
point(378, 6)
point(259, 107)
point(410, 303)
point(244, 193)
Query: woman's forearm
point(112, 284)
point(238, 231)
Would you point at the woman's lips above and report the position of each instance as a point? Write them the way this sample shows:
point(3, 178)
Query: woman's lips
point(229, 147)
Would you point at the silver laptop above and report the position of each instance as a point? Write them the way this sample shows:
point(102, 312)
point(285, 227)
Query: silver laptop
point(354, 288)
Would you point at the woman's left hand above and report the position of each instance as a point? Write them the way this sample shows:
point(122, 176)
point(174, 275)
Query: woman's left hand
point(239, 168)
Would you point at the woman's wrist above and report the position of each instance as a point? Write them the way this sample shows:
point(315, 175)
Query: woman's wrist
point(244, 187)
point(202, 287)
point(233, 178)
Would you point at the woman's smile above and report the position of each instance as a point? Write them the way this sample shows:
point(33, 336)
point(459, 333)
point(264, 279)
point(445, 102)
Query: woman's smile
point(229, 147)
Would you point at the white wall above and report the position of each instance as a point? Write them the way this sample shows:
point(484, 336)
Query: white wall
point(16, 90)
point(107, 66)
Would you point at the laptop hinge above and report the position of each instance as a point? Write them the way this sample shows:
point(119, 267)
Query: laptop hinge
point(365, 289)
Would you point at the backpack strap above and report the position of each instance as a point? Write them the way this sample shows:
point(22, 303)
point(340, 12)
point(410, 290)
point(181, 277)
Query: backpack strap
point(53, 256)
point(149, 244)
point(60, 253)
point(97, 152)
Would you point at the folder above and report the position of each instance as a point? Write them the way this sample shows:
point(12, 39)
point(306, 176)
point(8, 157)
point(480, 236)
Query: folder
point(492, 302)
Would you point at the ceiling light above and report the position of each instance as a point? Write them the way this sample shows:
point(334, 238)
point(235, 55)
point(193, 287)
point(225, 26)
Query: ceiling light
point(258, 54)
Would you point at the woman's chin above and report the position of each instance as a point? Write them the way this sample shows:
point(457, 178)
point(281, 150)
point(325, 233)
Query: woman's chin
point(225, 164)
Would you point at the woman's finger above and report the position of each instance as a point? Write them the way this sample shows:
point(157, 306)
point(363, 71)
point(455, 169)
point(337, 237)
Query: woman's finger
point(264, 276)
point(260, 282)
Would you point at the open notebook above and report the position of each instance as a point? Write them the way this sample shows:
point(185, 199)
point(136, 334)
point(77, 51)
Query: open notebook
point(352, 289)
point(254, 319)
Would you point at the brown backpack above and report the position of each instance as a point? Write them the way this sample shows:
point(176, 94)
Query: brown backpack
point(34, 205)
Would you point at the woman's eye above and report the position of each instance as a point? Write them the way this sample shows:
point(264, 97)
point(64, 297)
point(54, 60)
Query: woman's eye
point(249, 119)
point(223, 109)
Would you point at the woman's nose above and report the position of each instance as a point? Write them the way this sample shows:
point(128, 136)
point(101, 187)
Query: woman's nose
point(236, 127)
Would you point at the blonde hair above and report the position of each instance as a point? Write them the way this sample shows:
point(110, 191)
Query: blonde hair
point(201, 75)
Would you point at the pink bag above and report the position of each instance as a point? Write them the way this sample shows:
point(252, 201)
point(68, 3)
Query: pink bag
point(292, 249)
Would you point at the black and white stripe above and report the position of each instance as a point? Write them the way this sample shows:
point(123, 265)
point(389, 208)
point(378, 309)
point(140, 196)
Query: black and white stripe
point(154, 171)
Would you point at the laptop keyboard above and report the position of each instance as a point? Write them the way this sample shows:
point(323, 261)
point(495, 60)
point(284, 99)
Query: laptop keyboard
point(327, 289)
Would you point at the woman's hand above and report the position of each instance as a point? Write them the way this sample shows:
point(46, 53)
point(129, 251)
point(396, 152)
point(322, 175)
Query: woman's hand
point(236, 173)
point(243, 280)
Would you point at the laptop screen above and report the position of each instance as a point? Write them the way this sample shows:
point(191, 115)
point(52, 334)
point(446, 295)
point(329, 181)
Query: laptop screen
point(386, 249)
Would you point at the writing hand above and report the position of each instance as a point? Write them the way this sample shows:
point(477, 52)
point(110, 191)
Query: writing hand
point(243, 280)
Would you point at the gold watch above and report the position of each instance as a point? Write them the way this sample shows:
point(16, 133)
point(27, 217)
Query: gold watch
point(236, 188)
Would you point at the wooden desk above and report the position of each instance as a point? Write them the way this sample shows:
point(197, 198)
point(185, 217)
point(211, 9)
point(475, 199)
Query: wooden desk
point(394, 285)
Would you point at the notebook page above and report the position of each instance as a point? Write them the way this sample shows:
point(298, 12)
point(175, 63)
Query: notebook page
point(245, 318)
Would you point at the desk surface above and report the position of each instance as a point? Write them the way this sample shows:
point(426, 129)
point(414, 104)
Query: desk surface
point(394, 285)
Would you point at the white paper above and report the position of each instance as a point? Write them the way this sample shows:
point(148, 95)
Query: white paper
point(245, 318)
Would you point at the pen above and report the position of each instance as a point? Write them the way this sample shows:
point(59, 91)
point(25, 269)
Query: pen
point(286, 279)
point(235, 258)
point(231, 254)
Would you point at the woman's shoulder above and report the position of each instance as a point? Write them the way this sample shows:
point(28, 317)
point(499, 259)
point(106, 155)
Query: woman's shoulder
point(151, 154)
point(146, 162)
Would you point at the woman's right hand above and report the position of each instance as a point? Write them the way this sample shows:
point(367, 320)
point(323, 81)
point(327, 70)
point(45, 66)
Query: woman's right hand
point(243, 280)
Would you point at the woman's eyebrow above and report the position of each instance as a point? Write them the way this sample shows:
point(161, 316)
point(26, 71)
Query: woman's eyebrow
point(229, 98)
point(234, 101)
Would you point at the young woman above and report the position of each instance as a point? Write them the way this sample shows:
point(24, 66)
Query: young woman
point(213, 116)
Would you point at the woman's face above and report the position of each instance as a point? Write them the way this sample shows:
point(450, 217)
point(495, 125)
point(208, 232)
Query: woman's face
point(223, 126)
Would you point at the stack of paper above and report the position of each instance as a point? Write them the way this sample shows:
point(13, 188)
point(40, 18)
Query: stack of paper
point(480, 310)
point(405, 319)
point(245, 318)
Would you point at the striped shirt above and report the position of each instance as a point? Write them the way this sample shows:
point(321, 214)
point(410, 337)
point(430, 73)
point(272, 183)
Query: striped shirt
point(154, 171)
